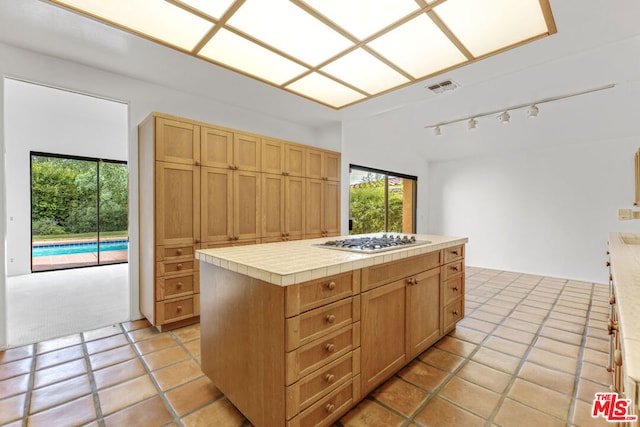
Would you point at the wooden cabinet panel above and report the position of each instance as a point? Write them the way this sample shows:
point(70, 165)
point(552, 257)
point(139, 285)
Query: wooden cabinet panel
point(324, 412)
point(217, 205)
point(452, 313)
point(178, 309)
point(383, 341)
point(453, 288)
point(331, 166)
point(322, 208)
point(423, 311)
point(246, 205)
point(177, 286)
point(323, 165)
point(273, 206)
point(177, 204)
point(294, 209)
point(452, 254)
point(384, 273)
point(168, 252)
point(316, 293)
point(177, 142)
point(273, 156)
point(314, 213)
point(295, 164)
point(452, 269)
point(216, 148)
point(331, 208)
point(246, 152)
point(314, 164)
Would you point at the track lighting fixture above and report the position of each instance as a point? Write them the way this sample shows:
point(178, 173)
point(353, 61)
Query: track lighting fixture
point(504, 117)
point(503, 113)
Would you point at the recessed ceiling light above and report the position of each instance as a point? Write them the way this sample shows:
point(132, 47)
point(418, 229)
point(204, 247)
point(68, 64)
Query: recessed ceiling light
point(352, 49)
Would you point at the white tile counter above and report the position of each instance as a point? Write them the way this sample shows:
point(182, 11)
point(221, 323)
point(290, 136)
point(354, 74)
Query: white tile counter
point(286, 263)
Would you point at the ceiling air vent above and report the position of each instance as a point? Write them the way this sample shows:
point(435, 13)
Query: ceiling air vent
point(444, 86)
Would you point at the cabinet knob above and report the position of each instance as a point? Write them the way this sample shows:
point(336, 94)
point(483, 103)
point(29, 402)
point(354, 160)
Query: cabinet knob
point(179, 266)
point(612, 300)
point(330, 348)
point(410, 282)
point(329, 378)
point(330, 407)
point(454, 268)
point(179, 285)
point(331, 285)
point(330, 318)
point(197, 240)
point(608, 263)
point(612, 326)
point(455, 289)
point(197, 163)
point(455, 312)
point(179, 308)
point(179, 251)
point(454, 252)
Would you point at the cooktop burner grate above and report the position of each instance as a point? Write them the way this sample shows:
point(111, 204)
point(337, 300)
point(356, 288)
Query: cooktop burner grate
point(368, 244)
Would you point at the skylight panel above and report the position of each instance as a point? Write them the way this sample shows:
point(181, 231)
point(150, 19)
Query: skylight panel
point(490, 25)
point(363, 70)
point(238, 52)
point(286, 27)
point(361, 18)
point(155, 18)
point(213, 8)
point(325, 90)
point(418, 47)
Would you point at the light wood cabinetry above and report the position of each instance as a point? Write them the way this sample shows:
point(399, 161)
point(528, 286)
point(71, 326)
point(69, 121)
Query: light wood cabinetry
point(309, 352)
point(204, 186)
point(323, 165)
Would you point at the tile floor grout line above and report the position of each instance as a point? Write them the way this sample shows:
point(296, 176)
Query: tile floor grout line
point(28, 393)
point(92, 380)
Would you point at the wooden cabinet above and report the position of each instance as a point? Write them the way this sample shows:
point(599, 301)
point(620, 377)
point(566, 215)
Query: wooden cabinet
point(204, 186)
point(452, 287)
point(322, 208)
point(323, 165)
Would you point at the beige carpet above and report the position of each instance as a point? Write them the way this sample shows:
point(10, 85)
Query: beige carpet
point(42, 306)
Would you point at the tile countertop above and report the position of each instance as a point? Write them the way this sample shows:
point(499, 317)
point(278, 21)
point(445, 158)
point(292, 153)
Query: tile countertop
point(625, 269)
point(287, 263)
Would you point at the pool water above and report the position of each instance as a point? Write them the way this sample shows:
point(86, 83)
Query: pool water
point(78, 248)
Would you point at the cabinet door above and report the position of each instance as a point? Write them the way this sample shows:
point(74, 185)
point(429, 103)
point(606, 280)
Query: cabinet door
point(177, 142)
point(177, 204)
point(314, 164)
point(331, 166)
point(216, 205)
point(423, 311)
point(314, 212)
point(294, 208)
point(246, 152)
point(382, 343)
point(295, 160)
point(273, 206)
point(273, 157)
point(216, 148)
point(331, 208)
point(246, 205)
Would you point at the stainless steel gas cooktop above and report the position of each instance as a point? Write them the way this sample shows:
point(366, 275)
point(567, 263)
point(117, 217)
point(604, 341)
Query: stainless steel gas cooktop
point(373, 244)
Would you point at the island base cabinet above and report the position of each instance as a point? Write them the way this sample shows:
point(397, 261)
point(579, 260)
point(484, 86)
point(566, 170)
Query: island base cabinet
point(326, 411)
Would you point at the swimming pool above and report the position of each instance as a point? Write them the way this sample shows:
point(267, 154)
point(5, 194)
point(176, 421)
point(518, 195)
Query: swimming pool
point(78, 248)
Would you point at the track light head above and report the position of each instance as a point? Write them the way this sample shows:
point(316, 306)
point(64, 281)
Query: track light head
point(472, 124)
point(533, 111)
point(504, 117)
point(437, 131)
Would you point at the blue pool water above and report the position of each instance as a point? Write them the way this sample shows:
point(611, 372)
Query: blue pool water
point(78, 248)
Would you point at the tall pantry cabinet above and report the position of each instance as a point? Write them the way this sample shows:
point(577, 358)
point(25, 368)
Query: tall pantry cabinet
point(202, 186)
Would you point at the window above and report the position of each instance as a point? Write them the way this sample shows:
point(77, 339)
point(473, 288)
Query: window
point(79, 212)
point(381, 201)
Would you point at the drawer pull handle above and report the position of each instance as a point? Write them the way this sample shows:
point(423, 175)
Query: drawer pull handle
point(179, 308)
point(330, 407)
point(454, 252)
point(330, 378)
point(612, 300)
point(179, 251)
point(179, 266)
point(330, 318)
point(455, 289)
point(618, 357)
point(330, 348)
point(608, 263)
point(454, 268)
point(179, 286)
point(455, 312)
point(331, 285)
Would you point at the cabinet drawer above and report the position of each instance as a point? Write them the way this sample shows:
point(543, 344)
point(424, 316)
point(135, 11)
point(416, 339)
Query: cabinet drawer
point(379, 275)
point(316, 385)
point(315, 293)
point(453, 253)
point(315, 323)
point(452, 313)
point(453, 288)
point(453, 269)
point(327, 410)
point(169, 252)
point(177, 309)
point(171, 267)
point(318, 353)
point(177, 286)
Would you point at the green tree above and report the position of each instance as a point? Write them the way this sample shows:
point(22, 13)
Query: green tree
point(367, 206)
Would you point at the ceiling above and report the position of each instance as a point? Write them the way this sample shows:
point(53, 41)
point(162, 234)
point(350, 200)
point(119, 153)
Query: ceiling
point(334, 52)
point(547, 67)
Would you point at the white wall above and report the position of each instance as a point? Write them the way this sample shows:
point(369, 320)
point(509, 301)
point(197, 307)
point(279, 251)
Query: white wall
point(48, 120)
point(143, 98)
point(545, 211)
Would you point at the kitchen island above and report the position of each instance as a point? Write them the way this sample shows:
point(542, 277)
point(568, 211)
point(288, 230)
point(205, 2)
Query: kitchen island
point(295, 334)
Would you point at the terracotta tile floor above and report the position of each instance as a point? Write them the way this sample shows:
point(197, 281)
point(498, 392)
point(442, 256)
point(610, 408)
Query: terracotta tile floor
point(531, 351)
